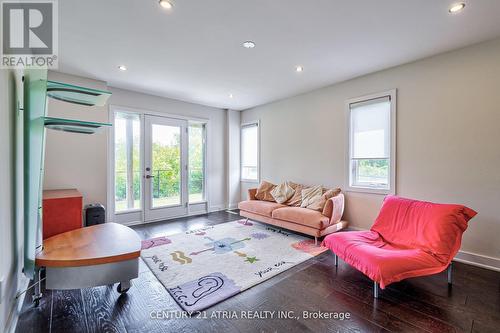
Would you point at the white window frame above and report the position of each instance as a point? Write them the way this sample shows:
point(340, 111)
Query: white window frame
point(111, 175)
point(204, 124)
point(247, 124)
point(392, 163)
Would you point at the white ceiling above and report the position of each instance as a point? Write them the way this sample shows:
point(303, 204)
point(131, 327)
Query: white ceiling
point(194, 52)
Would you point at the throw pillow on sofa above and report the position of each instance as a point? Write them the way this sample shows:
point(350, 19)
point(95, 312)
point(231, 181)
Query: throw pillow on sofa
point(264, 191)
point(310, 195)
point(319, 203)
point(282, 192)
point(296, 199)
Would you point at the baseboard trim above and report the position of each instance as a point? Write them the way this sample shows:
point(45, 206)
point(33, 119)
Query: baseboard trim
point(217, 208)
point(232, 206)
point(478, 260)
point(474, 259)
point(17, 306)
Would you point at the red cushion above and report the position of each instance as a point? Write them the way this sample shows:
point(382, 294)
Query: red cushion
point(381, 262)
point(409, 238)
point(435, 228)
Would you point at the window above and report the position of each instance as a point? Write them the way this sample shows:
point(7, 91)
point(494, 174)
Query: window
point(250, 152)
point(127, 128)
point(196, 163)
point(371, 160)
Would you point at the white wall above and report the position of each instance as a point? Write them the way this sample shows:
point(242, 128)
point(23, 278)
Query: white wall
point(77, 160)
point(233, 158)
point(80, 161)
point(11, 228)
point(448, 136)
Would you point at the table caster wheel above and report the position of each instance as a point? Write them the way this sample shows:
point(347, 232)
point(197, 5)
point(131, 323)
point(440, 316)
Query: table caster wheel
point(36, 299)
point(123, 287)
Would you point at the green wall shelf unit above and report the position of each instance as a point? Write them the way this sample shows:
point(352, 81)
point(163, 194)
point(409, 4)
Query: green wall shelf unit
point(74, 126)
point(35, 101)
point(77, 95)
point(36, 90)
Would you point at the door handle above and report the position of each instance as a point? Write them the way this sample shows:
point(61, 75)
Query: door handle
point(149, 176)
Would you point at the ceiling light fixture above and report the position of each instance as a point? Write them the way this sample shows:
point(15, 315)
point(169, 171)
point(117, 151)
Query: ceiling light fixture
point(166, 4)
point(299, 69)
point(231, 96)
point(455, 8)
point(249, 44)
point(122, 68)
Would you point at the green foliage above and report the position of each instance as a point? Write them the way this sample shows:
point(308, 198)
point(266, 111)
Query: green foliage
point(196, 159)
point(121, 170)
point(165, 167)
point(374, 168)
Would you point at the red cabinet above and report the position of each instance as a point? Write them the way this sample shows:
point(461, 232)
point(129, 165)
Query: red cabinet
point(62, 211)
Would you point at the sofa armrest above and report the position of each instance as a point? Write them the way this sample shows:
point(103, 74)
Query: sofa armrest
point(337, 208)
point(251, 193)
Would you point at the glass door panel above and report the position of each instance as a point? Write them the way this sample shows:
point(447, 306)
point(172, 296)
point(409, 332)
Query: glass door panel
point(166, 165)
point(196, 162)
point(128, 167)
point(165, 172)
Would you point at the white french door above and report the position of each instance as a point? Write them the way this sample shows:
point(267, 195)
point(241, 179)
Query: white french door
point(157, 167)
point(165, 168)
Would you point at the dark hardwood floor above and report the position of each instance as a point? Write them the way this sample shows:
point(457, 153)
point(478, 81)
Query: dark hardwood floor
point(415, 305)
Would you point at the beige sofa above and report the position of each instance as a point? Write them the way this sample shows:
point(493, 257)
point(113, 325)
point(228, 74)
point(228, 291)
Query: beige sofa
point(298, 219)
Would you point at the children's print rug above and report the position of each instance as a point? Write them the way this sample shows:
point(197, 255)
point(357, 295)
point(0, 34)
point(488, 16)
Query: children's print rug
point(200, 268)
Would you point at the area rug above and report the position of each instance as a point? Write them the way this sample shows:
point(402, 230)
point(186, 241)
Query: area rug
point(200, 268)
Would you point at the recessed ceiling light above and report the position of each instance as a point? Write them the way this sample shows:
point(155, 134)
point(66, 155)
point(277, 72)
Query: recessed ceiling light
point(166, 4)
point(122, 68)
point(457, 7)
point(299, 69)
point(231, 96)
point(249, 44)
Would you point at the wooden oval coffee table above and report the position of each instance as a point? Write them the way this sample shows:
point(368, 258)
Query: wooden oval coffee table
point(92, 256)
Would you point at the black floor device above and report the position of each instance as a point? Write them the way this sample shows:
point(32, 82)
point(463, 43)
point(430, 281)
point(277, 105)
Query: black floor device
point(94, 214)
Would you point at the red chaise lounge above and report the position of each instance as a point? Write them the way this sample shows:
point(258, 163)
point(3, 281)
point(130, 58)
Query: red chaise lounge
point(409, 238)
